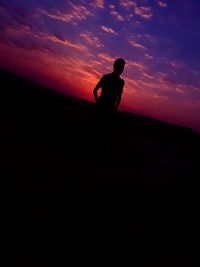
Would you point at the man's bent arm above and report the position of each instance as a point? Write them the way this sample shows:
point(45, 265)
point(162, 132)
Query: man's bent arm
point(119, 97)
point(118, 102)
point(97, 87)
point(95, 93)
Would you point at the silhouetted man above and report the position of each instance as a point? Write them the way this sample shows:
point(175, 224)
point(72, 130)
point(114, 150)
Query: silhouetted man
point(111, 89)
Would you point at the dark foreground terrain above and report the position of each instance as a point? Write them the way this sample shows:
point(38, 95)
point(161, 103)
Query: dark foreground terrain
point(74, 194)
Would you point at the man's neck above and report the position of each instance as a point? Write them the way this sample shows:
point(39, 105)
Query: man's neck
point(115, 74)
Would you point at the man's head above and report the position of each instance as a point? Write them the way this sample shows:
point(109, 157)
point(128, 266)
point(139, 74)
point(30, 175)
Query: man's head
point(119, 66)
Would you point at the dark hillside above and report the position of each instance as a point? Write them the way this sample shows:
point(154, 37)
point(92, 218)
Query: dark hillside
point(73, 193)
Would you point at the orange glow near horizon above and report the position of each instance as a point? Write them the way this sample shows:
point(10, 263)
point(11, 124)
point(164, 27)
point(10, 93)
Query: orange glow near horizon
point(55, 73)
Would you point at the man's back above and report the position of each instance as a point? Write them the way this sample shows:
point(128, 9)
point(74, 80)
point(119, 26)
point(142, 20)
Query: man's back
point(112, 87)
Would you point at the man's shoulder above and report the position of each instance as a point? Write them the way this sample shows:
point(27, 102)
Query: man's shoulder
point(107, 76)
point(122, 80)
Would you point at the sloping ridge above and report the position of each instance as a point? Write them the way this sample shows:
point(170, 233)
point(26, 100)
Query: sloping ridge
point(14, 85)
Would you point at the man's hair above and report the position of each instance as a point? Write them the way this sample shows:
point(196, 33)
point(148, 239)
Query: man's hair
point(119, 61)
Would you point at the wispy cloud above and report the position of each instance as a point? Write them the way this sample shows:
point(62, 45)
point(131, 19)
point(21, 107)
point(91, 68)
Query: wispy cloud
point(144, 12)
point(196, 89)
point(149, 76)
point(136, 44)
point(60, 40)
point(162, 4)
point(17, 30)
point(132, 85)
point(21, 30)
point(147, 56)
point(116, 15)
point(98, 3)
point(91, 39)
point(106, 57)
point(74, 14)
point(138, 65)
point(177, 64)
point(108, 30)
point(112, 6)
point(127, 3)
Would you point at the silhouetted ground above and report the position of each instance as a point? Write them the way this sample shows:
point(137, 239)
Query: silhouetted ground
point(67, 199)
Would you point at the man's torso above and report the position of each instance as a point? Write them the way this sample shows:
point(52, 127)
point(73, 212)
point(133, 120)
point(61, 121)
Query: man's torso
point(112, 87)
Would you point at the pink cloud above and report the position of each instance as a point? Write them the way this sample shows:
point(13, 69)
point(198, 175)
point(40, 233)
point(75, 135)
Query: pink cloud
point(99, 3)
point(196, 89)
point(116, 15)
point(91, 39)
point(106, 57)
point(137, 45)
point(148, 75)
point(138, 65)
point(143, 12)
point(108, 30)
point(17, 30)
point(111, 6)
point(148, 56)
point(74, 14)
point(162, 4)
point(64, 41)
point(20, 30)
point(127, 3)
point(132, 86)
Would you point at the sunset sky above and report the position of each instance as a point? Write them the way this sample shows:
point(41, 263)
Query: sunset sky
point(69, 45)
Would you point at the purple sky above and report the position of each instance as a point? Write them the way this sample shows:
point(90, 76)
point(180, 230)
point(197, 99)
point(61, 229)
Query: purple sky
point(69, 45)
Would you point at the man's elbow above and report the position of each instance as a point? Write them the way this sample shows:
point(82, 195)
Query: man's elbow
point(95, 91)
point(95, 94)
